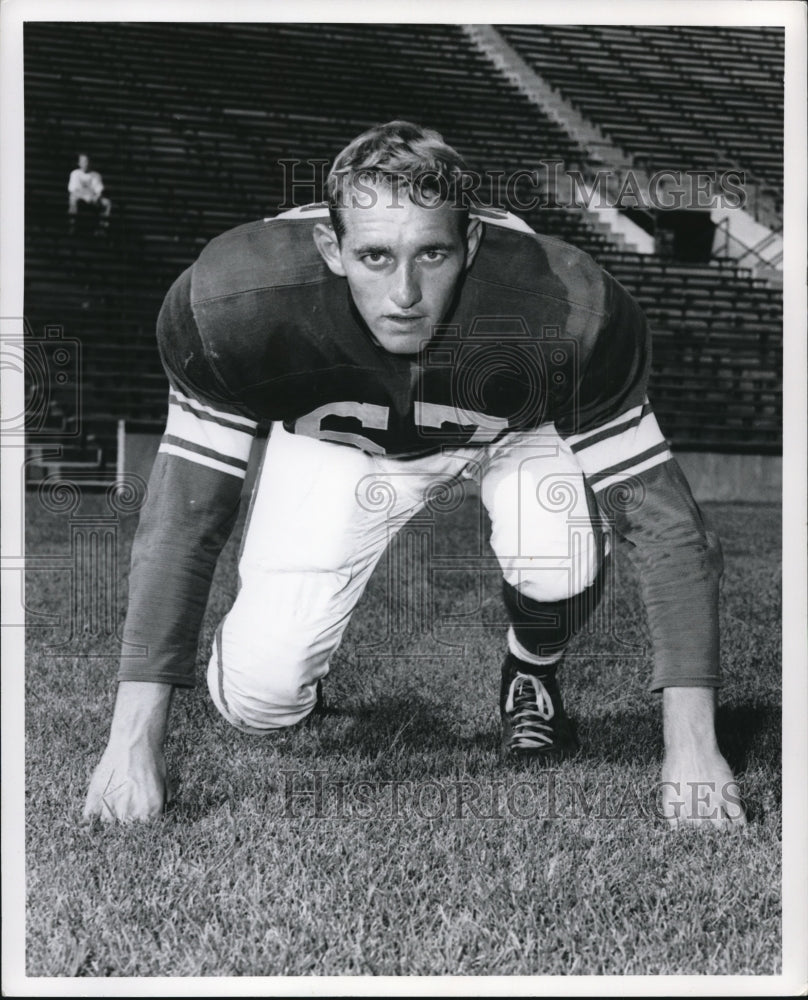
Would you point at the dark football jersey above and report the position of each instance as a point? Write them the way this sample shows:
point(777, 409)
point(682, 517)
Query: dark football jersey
point(259, 330)
point(265, 326)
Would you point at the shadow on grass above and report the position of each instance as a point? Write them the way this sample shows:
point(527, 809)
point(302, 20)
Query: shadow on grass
point(744, 731)
point(395, 724)
point(413, 723)
point(407, 735)
point(410, 723)
point(750, 731)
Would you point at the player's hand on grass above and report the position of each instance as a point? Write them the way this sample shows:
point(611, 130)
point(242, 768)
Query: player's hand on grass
point(698, 786)
point(130, 781)
point(701, 793)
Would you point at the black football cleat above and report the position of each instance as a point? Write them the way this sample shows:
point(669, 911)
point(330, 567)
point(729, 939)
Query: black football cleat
point(534, 723)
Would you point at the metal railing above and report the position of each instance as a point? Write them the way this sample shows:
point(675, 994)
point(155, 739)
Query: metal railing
point(724, 240)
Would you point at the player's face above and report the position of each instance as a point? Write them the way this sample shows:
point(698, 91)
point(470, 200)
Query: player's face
point(403, 262)
point(83, 163)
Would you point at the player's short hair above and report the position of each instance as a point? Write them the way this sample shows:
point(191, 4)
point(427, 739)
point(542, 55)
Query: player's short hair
point(405, 158)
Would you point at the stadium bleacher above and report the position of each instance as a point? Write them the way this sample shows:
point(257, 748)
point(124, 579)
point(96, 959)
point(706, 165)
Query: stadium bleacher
point(684, 98)
point(188, 124)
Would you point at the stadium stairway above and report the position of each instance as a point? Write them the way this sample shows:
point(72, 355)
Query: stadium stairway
point(684, 97)
point(607, 55)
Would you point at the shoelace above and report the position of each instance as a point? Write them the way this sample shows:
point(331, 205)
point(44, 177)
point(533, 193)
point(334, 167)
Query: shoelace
point(531, 709)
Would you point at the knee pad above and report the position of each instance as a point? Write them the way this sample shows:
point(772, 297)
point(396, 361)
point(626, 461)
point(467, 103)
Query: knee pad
point(546, 532)
point(260, 694)
point(557, 577)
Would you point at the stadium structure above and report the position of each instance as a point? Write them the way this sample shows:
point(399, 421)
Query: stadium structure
point(197, 128)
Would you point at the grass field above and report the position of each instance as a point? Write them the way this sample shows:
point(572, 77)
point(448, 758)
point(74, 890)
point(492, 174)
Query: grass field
point(416, 852)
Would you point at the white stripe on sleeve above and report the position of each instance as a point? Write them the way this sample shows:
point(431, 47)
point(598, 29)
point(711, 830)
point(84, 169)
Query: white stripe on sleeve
point(615, 446)
point(624, 418)
point(206, 460)
point(224, 440)
point(203, 408)
point(209, 437)
point(624, 474)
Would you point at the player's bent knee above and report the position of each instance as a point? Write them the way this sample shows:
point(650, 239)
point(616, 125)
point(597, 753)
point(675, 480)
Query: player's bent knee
point(548, 578)
point(548, 587)
point(259, 712)
point(261, 695)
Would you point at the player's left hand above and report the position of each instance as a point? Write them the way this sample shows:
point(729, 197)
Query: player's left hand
point(700, 792)
point(698, 786)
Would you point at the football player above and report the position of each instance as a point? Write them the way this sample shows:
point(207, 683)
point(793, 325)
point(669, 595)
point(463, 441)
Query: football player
point(396, 340)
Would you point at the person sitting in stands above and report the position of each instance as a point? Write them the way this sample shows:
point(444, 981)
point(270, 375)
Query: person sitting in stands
point(87, 186)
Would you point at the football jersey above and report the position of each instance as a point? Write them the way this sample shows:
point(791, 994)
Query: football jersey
point(258, 330)
point(260, 323)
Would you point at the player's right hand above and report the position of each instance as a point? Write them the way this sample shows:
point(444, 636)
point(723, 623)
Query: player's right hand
point(130, 780)
point(129, 783)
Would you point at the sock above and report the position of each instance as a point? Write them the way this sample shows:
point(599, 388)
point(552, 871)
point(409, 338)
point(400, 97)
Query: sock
point(531, 663)
point(541, 630)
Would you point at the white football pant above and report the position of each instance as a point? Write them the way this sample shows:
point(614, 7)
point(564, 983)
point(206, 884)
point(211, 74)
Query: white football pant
point(321, 516)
